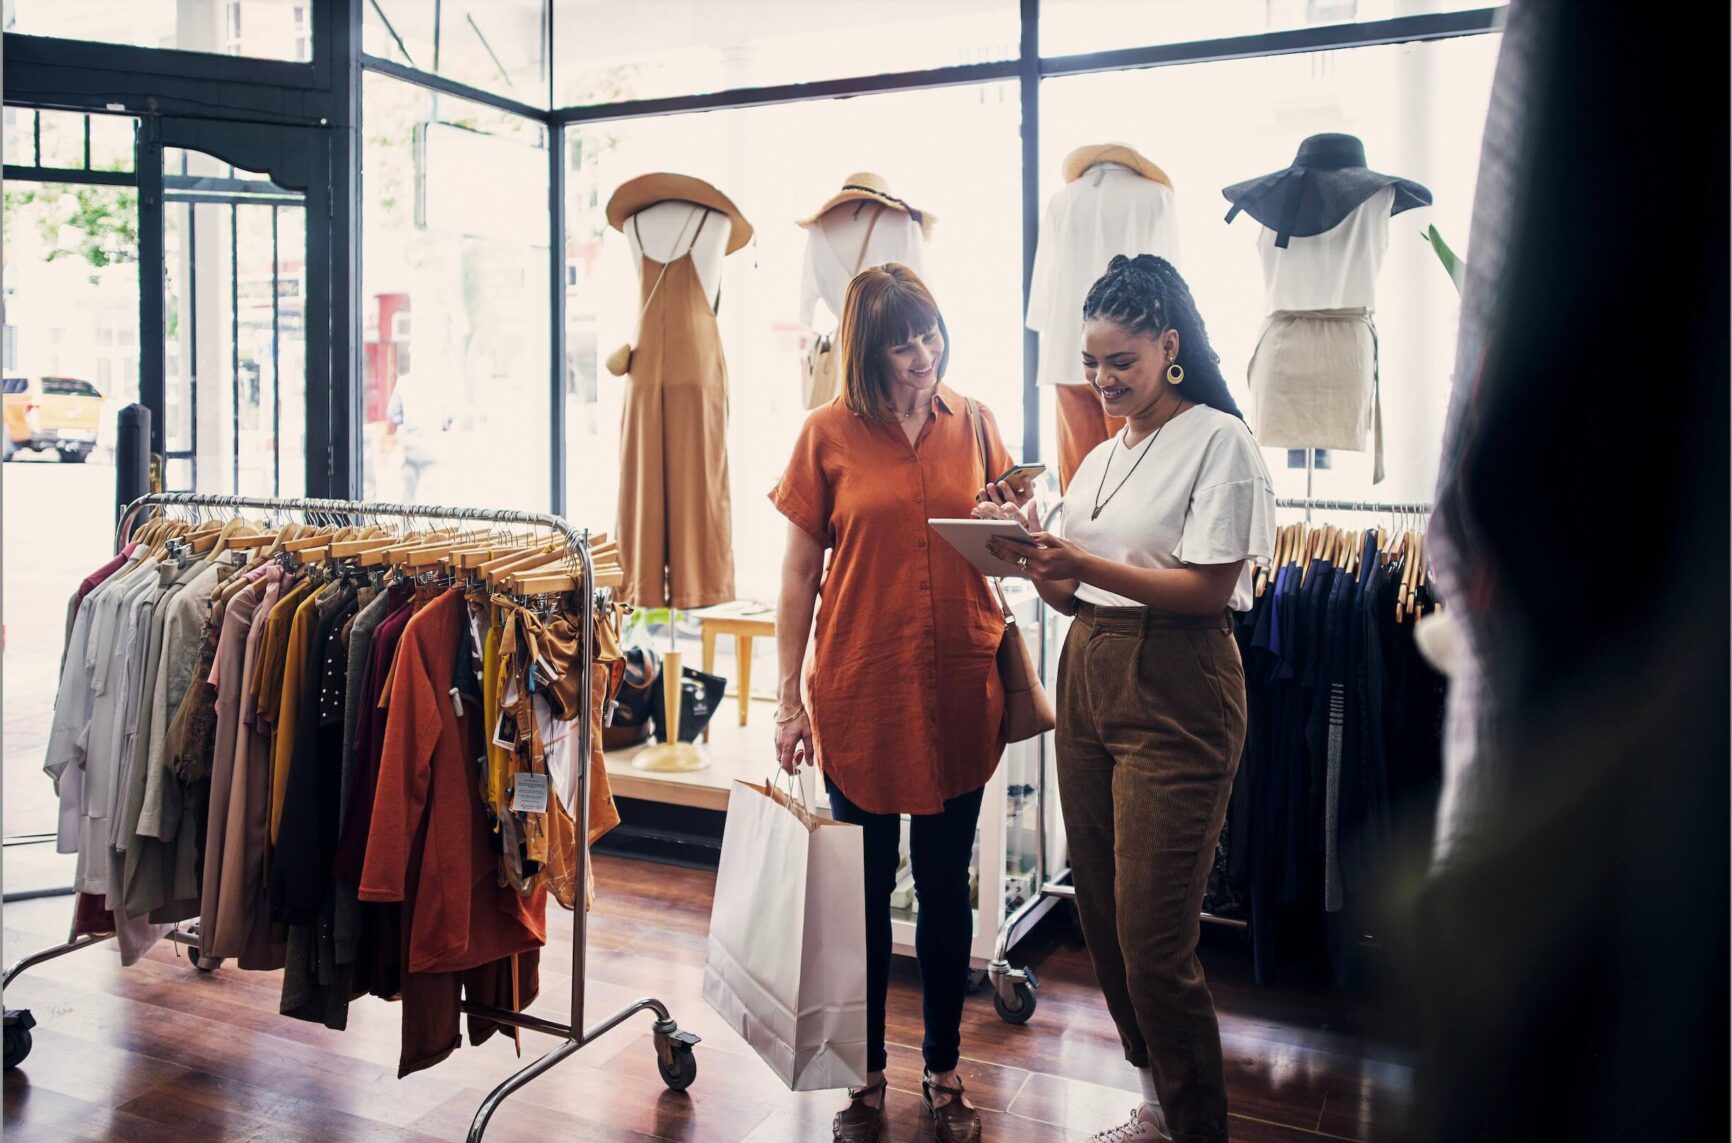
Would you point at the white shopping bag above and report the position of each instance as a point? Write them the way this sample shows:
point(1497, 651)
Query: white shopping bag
point(787, 959)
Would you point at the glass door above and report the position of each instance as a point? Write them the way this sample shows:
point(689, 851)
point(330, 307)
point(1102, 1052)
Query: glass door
point(71, 356)
point(234, 329)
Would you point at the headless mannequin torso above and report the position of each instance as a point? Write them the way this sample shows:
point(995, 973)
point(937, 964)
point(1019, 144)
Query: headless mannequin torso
point(667, 229)
point(836, 240)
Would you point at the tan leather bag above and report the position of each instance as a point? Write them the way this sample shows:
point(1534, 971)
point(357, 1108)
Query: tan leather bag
point(1028, 712)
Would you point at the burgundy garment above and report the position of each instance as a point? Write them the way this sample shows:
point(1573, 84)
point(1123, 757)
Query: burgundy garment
point(377, 964)
point(369, 743)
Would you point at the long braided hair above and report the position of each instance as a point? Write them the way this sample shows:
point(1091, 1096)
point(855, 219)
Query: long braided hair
point(1146, 295)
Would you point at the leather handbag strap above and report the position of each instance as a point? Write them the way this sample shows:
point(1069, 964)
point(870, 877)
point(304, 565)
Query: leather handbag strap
point(691, 246)
point(860, 262)
point(979, 424)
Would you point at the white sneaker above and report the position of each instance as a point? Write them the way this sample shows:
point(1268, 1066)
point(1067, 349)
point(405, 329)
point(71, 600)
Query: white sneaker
point(1138, 1130)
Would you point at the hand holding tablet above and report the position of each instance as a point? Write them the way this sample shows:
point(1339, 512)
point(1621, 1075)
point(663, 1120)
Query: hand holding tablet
point(971, 537)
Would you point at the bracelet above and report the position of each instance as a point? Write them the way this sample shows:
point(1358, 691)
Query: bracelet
point(795, 717)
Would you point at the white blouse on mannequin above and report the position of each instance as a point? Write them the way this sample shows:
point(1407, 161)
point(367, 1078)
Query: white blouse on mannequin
point(1333, 270)
point(667, 229)
point(1110, 210)
point(833, 250)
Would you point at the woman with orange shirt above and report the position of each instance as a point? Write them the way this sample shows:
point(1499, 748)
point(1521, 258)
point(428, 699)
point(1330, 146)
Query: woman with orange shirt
point(902, 698)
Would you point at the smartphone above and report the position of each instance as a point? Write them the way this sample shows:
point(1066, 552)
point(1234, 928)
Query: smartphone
point(1018, 473)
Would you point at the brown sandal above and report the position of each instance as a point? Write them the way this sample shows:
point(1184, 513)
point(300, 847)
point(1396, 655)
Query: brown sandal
point(952, 1122)
point(860, 1122)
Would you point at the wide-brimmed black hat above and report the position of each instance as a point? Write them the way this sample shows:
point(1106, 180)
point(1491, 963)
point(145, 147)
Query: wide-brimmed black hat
point(1327, 180)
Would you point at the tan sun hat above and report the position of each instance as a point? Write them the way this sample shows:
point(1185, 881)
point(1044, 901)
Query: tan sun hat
point(634, 195)
point(864, 186)
point(1083, 158)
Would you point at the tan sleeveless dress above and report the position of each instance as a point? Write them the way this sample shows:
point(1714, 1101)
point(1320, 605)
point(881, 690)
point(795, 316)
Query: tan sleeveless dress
point(675, 515)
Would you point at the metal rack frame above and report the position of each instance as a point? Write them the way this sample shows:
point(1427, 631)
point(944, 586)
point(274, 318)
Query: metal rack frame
point(674, 1053)
point(1014, 986)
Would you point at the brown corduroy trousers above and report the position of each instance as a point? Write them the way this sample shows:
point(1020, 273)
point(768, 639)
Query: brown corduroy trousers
point(1151, 722)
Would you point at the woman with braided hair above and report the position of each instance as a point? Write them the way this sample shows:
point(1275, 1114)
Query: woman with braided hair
point(1162, 524)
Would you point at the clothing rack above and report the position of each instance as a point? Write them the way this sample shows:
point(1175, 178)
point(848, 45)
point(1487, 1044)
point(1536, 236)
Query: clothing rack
point(674, 1048)
point(1011, 984)
point(1310, 505)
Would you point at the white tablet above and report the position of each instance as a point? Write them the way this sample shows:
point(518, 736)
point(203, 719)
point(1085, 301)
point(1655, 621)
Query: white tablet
point(970, 536)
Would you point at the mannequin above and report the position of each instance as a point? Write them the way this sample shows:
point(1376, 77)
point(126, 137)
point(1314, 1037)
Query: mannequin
point(833, 249)
point(667, 231)
point(1114, 201)
point(1325, 228)
point(675, 509)
point(862, 225)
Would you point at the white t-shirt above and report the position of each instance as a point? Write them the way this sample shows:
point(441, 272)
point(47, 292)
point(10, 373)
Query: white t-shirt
point(1201, 496)
point(1334, 270)
point(1109, 210)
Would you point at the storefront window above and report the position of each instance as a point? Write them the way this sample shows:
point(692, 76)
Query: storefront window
point(454, 273)
point(953, 152)
point(262, 29)
point(496, 46)
point(1420, 110)
point(1069, 27)
point(68, 141)
point(653, 48)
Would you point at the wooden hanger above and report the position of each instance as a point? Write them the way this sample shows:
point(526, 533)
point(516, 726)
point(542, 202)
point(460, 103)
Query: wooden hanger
point(535, 561)
point(493, 570)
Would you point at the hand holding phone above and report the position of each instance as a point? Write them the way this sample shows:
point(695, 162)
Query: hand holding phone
point(1018, 478)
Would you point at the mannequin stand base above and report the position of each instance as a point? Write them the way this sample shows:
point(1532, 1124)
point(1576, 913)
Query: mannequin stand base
point(670, 758)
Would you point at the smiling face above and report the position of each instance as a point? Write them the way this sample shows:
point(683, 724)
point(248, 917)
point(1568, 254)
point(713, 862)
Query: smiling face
point(1128, 370)
point(911, 366)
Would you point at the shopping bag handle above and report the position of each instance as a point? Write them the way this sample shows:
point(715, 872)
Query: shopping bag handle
point(802, 802)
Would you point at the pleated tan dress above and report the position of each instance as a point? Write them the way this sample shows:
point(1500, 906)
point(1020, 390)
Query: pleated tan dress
point(675, 513)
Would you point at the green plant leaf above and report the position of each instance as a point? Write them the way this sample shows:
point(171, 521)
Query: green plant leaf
point(1452, 265)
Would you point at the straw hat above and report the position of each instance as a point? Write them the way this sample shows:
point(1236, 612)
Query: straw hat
point(634, 195)
point(864, 186)
point(1083, 158)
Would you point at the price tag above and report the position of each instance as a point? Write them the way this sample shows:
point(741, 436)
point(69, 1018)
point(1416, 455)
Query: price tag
point(529, 793)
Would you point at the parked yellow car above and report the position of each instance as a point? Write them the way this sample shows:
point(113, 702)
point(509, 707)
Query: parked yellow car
point(58, 413)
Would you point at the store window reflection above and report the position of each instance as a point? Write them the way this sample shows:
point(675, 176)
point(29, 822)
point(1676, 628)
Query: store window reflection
point(953, 152)
point(262, 29)
point(1420, 110)
point(454, 272)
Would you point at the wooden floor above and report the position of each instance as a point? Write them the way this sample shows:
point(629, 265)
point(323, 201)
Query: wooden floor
point(162, 1052)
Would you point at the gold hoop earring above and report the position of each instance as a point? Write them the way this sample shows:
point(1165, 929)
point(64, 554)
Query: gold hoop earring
point(1175, 374)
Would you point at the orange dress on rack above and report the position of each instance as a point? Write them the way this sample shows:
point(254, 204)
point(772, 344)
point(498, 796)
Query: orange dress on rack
point(903, 684)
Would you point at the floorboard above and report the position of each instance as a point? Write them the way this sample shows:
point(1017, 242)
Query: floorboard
point(160, 1051)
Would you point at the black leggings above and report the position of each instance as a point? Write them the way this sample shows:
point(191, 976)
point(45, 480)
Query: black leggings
point(940, 845)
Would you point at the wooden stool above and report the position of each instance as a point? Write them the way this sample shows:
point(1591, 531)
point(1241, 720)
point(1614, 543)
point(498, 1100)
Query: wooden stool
point(744, 629)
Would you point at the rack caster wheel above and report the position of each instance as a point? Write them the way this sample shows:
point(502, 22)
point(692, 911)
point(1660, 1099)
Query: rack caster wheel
point(675, 1059)
point(18, 1025)
point(202, 962)
point(1021, 1010)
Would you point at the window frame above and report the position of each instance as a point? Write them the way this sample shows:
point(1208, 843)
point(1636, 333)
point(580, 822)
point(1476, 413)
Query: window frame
point(44, 73)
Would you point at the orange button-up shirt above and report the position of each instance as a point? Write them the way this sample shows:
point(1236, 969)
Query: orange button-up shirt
point(902, 685)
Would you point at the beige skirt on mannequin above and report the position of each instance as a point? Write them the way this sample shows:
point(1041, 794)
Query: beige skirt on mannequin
point(1314, 382)
point(675, 515)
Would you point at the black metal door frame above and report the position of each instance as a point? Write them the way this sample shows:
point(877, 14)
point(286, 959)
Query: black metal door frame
point(296, 123)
